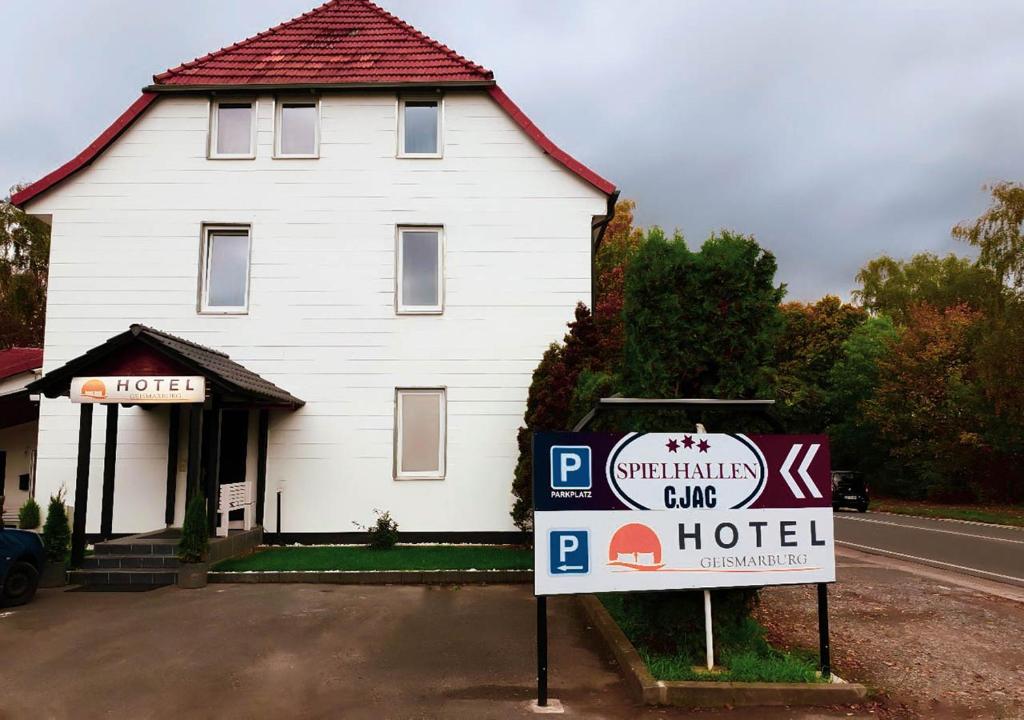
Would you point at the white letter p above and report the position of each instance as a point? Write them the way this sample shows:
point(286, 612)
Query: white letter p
point(569, 463)
point(567, 544)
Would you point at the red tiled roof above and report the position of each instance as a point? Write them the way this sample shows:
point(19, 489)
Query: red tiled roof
point(351, 42)
point(18, 360)
point(85, 157)
point(340, 42)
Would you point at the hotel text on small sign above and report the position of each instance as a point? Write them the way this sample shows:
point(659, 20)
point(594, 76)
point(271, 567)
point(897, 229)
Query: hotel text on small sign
point(664, 511)
point(142, 389)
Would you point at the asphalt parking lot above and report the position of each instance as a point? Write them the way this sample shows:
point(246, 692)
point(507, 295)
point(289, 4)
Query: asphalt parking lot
point(306, 651)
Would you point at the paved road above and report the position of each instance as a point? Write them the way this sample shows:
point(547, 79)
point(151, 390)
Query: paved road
point(992, 552)
point(358, 652)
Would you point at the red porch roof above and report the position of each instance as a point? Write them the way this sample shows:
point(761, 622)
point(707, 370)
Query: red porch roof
point(18, 360)
point(340, 42)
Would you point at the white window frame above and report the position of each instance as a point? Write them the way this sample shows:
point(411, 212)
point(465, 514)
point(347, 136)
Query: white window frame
point(440, 126)
point(442, 440)
point(204, 270)
point(279, 111)
point(211, 144)
point(400, 307)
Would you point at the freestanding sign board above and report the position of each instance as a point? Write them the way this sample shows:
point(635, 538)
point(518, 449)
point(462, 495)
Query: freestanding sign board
point(667, 511)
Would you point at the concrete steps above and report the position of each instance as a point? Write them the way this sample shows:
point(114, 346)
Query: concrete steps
point(151, 559)
point(134, 560)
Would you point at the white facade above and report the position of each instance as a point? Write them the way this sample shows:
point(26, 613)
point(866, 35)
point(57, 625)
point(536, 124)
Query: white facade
point(322, 320)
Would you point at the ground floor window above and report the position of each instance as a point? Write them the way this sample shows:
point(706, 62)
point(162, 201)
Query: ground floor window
point(420, 419)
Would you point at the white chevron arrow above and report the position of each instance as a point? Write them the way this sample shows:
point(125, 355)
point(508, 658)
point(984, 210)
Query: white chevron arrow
point(786, 465)
point(802, 471)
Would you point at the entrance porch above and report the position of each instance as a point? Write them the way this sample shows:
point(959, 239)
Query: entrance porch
point(210, 407)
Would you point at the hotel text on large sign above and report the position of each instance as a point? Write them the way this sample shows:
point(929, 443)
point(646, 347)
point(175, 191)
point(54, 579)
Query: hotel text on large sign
point(142, 389)
point(666, 511)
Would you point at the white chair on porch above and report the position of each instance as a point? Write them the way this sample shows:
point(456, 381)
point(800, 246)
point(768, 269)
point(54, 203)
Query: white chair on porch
point(235, 496)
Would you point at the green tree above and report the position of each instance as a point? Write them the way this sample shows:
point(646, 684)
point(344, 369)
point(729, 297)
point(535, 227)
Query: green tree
point(997, 234)
point(855, 439)
point(195, 536)
point(24, 265)
point(700, 324)
point(892, 287)
point(809, 348)
point(56, 532)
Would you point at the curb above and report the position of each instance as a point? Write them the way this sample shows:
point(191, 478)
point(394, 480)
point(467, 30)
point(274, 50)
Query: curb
point(981, 523)
point(376, 577)
point(937, 564)
point(685, 693)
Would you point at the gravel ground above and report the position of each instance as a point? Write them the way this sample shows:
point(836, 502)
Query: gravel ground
point(931, 646)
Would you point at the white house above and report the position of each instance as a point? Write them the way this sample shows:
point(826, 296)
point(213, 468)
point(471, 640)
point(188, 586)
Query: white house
point(381, 241)
point(18, 426)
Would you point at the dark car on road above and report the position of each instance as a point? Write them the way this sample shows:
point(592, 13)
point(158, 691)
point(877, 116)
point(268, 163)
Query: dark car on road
point(849, 490)
point(21, 562)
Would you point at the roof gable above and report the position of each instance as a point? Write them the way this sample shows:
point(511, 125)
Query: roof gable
point(340, 42)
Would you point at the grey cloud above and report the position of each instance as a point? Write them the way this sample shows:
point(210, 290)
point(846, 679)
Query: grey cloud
point(830, 130)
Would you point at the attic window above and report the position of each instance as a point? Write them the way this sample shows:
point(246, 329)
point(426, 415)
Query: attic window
point(419, 128)
point(297, 129)
point(232, 130)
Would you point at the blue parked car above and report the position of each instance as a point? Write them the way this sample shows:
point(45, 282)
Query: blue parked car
point(21, 562)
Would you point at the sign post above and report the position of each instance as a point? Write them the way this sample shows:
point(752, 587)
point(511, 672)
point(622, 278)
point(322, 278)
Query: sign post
point(623, 512)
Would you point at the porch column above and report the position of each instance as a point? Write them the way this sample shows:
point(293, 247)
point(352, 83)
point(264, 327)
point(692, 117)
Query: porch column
point(174, 421)
point(81, 485)
point(195, 450)
point(261, 464)
point(212, 468)
point(109, 464)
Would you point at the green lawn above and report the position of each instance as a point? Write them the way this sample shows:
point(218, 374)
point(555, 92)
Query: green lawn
point(745, 656)
point(403, 557)
point(1000, 515)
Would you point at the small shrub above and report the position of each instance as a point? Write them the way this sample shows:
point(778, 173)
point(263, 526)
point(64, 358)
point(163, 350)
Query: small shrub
point(195, 537)
point(56, 533)
point(28, 515)
point(384, 533)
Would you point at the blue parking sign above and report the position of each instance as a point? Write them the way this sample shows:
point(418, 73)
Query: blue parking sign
point(569, 552)
point(570, 467)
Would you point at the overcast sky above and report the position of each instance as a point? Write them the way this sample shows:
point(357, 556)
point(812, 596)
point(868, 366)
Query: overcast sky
point(832, 131)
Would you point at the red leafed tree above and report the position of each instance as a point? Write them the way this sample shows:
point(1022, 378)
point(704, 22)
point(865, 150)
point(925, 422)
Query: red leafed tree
point(592, 345)
point(926, 405)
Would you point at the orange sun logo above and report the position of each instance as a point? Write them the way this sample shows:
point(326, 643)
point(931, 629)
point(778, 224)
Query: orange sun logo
point(94, 389)
point(635, 546)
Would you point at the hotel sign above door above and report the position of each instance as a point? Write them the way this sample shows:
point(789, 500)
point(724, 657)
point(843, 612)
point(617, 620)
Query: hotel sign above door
point(667, 511)
point(138, 390)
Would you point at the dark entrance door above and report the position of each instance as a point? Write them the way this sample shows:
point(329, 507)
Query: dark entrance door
point(234, 440)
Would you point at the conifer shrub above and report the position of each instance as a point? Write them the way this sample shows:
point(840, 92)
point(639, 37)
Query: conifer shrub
point(195, 537)
point(29, 515)
point(56, 532)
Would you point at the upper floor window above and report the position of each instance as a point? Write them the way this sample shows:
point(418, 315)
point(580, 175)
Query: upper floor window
point(225, 269)
point(232, 129)
point(419, 273)
point(419, 128)
point(297, 128)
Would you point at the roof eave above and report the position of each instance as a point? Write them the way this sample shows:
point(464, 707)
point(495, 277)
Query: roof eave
point(269, 87)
